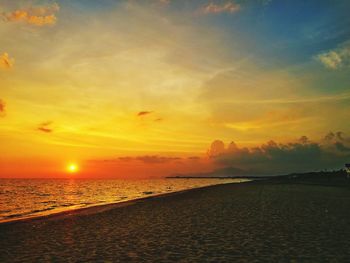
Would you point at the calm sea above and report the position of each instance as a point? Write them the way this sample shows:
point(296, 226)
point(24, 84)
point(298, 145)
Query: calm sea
point(24, 198)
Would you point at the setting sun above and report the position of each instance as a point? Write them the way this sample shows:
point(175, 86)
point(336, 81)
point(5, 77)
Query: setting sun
point(72, 168)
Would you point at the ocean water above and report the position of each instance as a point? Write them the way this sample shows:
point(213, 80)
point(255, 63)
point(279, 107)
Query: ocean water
point(25, 198)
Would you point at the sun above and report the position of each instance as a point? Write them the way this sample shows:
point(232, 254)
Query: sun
point(72, 168)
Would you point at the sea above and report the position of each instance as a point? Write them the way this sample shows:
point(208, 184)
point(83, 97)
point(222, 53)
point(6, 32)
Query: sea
point(27, 198)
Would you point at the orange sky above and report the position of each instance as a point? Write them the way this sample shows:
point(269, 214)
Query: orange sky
point(130, 89)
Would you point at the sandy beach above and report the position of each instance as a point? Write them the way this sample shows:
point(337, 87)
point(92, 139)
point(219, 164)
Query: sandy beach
point(266, 221)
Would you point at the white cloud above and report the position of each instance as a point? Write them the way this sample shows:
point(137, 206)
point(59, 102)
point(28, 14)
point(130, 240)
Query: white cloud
point(335, 59)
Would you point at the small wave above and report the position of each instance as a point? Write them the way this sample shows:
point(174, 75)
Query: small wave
point(65, 205)
point(43, 210)
point(121, 198)
point(19, 215)
point(48, 202)
point(148, 192)
point(41, 194)
point(87, 203)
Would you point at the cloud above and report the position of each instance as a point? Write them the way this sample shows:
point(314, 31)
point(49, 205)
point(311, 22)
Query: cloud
point(335, 59)
point(45, 127)
point(2, 107)
point(329, 136)
point(339, 140)
point(339, 136)
point(341, 147)
point(330, 59)
point(38, 16)
point(149, 159)
point(217, 147)
point(143, 113)
point(212, 8)
point(194, 158)
point(6, 62)
point(153, 159)
point(279, 158)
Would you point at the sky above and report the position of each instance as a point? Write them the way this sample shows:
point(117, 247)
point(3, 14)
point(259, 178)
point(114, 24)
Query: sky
point(149, 88)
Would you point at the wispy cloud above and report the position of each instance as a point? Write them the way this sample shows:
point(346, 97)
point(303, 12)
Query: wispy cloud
point(45, 127)
point(317, 99)
point(143, 113)
point(38, 16)
point(5, 61)
point(213, 8)
point(335, 59)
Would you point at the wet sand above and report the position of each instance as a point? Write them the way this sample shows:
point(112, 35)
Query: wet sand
point(267, 221)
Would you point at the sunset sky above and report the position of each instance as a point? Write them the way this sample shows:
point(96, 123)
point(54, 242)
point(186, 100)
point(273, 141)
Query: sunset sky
point(128, 89)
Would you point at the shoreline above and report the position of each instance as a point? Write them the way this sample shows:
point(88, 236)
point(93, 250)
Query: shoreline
point(94, 209)
point(310, 178)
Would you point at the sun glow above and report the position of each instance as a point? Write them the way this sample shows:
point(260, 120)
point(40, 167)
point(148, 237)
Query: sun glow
point(72, 168)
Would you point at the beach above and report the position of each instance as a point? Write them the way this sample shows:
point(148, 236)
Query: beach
point(261, 221)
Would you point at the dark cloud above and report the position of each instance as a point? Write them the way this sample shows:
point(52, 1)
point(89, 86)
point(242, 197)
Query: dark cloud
point(342, 137)
point(2, 107)
point(143, 113)
point(194, 158)
point(217, 147)
point(271, 158)
point(338, 136)
point(150, 159)
point(329, 136)
point(277, 158)
point(341, 147)
point(124, 159)
point(157, 159)
point(304, 140)
point(45, 127)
